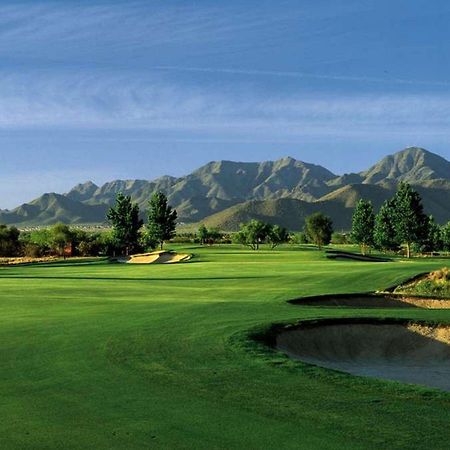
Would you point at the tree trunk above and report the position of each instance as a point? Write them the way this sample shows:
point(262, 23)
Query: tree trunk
point(408, 250)
point(162, 245)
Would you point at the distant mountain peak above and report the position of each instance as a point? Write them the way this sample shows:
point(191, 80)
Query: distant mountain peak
point(219, 185)
point(82, 191)
point(413, 164)
point(415, 149)
point(288, 159)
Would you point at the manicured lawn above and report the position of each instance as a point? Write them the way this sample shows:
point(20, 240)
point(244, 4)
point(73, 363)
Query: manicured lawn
point(102, 355)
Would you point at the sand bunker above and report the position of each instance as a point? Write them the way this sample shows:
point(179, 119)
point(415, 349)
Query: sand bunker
point(373, 301)
point(161, 257)
point(409, 353)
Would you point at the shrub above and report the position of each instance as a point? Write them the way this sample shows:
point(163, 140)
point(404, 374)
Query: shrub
point(32, 250)
point(9, 241)
point(340, 239)
point(299, 238)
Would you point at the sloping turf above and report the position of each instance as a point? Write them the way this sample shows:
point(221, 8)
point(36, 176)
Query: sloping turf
point(120, 356)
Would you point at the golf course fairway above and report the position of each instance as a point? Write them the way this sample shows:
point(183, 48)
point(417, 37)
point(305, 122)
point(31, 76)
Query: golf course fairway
point(117, 356)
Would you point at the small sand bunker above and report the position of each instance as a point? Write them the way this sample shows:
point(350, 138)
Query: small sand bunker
point(409, 353)
point(161, 257)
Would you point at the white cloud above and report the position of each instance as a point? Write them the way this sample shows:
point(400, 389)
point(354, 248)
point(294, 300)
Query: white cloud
point(307, 75)
point(143, 24)
point(81, 101)
point(97, 100)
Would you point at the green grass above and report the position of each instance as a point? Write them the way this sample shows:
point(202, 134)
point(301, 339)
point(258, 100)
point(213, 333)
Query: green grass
point(114, 356)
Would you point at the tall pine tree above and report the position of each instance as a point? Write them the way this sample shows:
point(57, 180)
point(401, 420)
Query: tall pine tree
point(410, 221)
point(384, 233)
point(363, 225)
point(162, 219)
point(125, 221)
point(433, 241)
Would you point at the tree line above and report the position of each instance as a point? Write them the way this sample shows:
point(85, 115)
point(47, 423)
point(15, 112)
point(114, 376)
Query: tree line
point(128, 233)
point(318, 231)
point(400, 221)
point(59, 239)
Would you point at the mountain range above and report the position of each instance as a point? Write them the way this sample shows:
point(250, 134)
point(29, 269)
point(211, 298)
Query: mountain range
point(226, 193)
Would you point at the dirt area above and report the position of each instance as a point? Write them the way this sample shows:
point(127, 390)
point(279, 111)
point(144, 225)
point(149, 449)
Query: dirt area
point(409, 353)
point(161, 257)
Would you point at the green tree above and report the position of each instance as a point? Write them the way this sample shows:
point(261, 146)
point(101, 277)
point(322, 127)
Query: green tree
point(319, 229)
point(107, 243)
point(87, 243)
point(253, 234)
point(410, 221)
point(435, 235)
point(446, 237)
point(162, 219)
point(385, 236)
point(299, 238)
point(363, 225)
point(433, 241)
point(203, 234)
point(147, 241)
point(9, 241)
point(61, 236)
point(277, 235)
point(214, 235)
point(339, 238)
point(126, 224)
point(36, 243)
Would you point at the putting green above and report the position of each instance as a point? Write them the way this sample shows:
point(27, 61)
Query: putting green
point(98, 355)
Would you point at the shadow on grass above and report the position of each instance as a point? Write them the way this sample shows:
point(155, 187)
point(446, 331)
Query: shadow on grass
point(353, 301)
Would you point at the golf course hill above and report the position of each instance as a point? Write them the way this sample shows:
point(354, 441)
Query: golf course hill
point(282, 191)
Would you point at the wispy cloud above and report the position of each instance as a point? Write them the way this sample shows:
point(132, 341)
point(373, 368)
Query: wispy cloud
point(295, 74)
point(131, 103)
point(26, 26)
point(187, 108)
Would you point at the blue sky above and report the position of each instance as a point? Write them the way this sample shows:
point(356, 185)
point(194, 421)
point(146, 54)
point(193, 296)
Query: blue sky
point(136, 89)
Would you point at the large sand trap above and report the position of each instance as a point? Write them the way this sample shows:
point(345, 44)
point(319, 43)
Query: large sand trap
point(373, 301)
point(409, 353)
point(161, 257)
